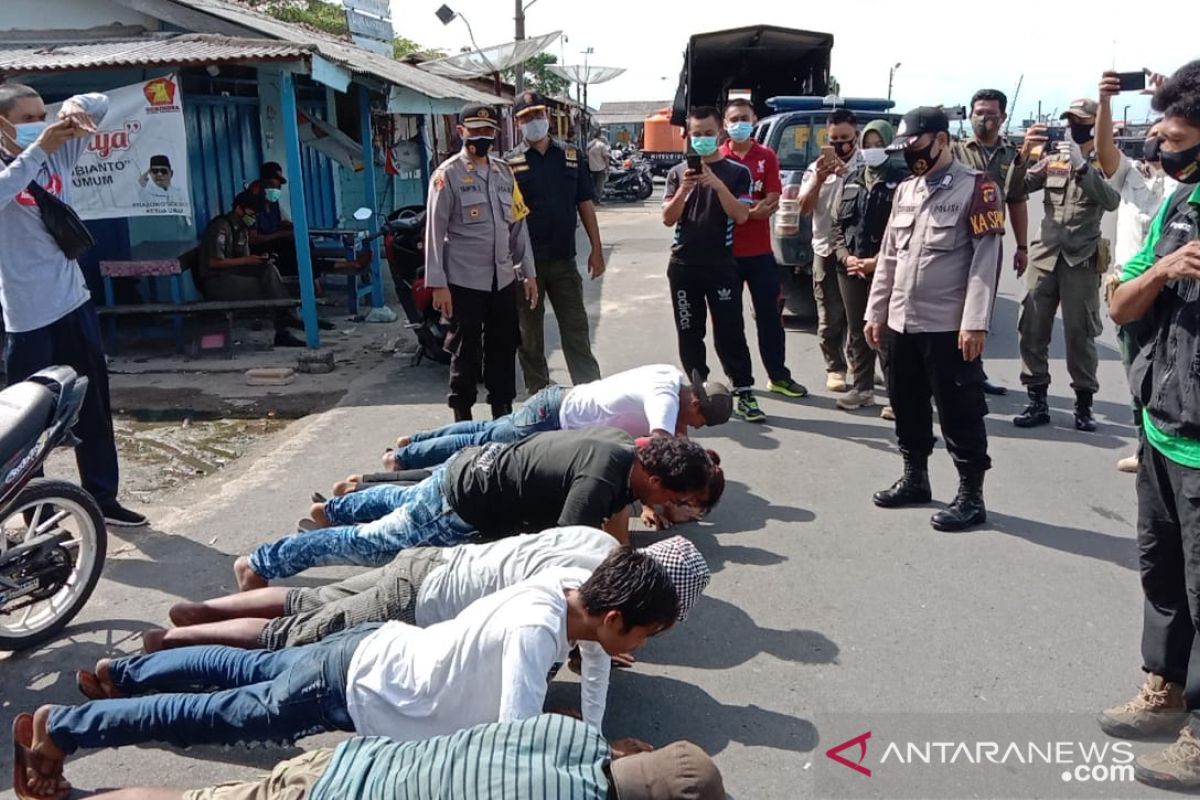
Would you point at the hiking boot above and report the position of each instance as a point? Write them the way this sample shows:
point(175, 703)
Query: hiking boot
point(1037, 412)
point(1084, 421)
point(747, 408)
point(1157, 709)
point(1176, 768)
point(836, 382)
point(787, 387)
point(855, 399)
point(888, 414)
point(1129, 463)
point(501, 410)
point(966, 509)
point(912, 488)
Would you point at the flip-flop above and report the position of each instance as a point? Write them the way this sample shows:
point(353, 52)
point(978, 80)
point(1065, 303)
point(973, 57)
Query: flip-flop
point(307, 524)
point(89, 685)
point(317, 497)
point(23, 758)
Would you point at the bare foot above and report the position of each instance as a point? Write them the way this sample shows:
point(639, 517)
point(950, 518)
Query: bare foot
point(347, 486)
point(247, 578)
point(187, 613)
point(318, 514)
point(404, 441)
point(390, 462)
point(152, 639)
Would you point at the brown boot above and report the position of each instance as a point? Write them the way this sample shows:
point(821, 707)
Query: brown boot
point(1176, 768)
point(1157, 710)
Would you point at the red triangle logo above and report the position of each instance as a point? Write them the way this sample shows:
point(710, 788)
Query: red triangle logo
point(835, 753)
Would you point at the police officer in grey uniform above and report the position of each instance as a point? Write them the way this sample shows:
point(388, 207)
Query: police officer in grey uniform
point(930, 305)
point(1066, 269)
point(477, 259)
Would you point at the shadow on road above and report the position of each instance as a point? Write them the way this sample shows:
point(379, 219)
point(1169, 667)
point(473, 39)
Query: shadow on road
point(1118, 550)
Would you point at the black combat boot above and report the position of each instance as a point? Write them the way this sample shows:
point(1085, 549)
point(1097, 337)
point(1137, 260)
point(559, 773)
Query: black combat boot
point(1037, 412)
point(967, 508)
point(462, 414)
point(912, 488)
point(501, 410)
point(1084, 421)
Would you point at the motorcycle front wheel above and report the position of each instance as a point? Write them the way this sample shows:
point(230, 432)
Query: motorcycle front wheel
point(52, 583)
point(646, 189)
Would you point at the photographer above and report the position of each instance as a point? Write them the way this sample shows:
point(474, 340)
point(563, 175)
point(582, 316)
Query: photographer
point(1161, 284)
point(48, 312)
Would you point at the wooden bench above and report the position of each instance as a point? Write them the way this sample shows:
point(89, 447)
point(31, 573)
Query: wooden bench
point(214, 307)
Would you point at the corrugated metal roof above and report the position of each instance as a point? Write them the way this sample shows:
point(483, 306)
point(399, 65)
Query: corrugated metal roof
point(341, 52)
point(185, 49)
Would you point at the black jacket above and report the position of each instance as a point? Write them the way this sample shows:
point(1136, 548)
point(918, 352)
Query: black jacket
point(862, 214)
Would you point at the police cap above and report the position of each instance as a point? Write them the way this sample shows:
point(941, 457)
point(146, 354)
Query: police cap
point(923, 119)
point(529, 101)
point(473, 115)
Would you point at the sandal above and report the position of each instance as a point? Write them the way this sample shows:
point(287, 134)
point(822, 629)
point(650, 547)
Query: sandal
point(89, 685)
point(317, 497)
point(25, 760)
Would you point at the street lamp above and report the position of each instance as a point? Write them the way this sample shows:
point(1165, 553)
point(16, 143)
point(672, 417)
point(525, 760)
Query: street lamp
point(448, 15)
point(519, 19)
point(1125, 118)
point(891, 75)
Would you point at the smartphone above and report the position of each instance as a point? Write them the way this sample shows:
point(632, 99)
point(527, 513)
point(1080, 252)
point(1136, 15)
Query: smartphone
point(1056, 134)
point(694, 162)
point(828, 154)
point(1132, 81)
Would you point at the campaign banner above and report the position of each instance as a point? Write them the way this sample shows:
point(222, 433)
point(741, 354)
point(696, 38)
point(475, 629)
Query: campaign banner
point(135, 165)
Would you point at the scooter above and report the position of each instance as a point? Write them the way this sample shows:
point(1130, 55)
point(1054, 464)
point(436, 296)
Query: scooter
point(404, 245)
point(52, 536)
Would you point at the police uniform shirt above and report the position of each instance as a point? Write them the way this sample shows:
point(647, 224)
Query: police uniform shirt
point(553, 184)
point(476, 236)
point(1074, 204)
point(222, 239)
point(940, 259)
point(1002, 162)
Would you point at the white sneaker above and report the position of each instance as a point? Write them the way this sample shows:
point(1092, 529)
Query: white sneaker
point(836, 381)
point(1128, 463)
point(888, 414)
point(854, 400)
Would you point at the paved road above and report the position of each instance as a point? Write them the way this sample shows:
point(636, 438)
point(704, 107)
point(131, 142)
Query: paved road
point(820, 604)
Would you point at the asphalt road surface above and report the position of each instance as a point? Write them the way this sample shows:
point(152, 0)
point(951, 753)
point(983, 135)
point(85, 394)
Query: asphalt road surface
point(826, 618)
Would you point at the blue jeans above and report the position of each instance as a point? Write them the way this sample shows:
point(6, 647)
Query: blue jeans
point(393, 517)
point(218, 695)
point(538, 413)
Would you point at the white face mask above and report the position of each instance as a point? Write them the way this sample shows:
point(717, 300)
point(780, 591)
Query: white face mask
point(874, 156)
point(536, 129)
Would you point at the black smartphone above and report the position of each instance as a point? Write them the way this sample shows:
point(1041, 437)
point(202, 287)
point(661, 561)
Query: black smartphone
point(1056, 134)
point(1132, 81)
point(694, 162)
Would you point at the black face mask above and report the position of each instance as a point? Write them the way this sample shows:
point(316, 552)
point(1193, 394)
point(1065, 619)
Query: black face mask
point(1150, 152)
point(922, 160)
point(843, 149)
point(1184, 165)
point(1082, 134)
point(479, 145)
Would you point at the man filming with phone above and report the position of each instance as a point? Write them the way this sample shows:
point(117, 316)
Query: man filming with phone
point(706, 197)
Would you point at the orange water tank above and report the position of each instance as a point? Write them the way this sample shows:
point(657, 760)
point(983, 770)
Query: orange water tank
point(661, 135)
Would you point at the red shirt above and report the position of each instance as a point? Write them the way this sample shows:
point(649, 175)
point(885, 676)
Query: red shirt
point(754, 237)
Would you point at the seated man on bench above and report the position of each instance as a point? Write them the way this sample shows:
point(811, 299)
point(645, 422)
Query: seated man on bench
point(228, 271)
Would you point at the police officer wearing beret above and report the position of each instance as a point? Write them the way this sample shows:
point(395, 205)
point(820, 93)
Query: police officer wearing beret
point(930, 306)
point(478, 262)
point(556, 186)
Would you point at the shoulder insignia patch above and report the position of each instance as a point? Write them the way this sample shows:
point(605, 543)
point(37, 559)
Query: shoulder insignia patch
point(439, 181)
point(572, 153)
point(519, 209)
point(986, 216)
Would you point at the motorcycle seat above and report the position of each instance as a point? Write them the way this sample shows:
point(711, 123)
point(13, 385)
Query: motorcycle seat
point(25, 410)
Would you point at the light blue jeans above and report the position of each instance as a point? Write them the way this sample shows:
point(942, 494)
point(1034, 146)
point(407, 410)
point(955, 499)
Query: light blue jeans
point(538, 413)
point(371, 527)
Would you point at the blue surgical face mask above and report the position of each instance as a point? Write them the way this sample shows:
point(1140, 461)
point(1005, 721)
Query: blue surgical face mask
point(28, 132)
point(704, 145)
point(739, 131)
point(273, 195)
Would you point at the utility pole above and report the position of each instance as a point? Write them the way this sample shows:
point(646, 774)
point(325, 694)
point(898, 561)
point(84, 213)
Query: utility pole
point(891, 77)
point(519, 19)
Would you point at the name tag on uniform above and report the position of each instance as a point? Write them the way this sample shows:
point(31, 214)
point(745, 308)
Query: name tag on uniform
point(520, 168)
point(468, 180)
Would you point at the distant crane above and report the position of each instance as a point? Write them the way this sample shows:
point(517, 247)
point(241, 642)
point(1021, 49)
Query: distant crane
point(1013, 103)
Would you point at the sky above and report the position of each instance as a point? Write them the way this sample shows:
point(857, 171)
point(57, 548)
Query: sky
point(945, 51)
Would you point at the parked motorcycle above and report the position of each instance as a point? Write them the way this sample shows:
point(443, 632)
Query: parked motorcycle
point(632, 182)
point(404, 245)
point(52, 535)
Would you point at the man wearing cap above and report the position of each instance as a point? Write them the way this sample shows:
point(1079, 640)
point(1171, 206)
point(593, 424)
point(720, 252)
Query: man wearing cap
point(930, 306)
point(554, 182)
point(155, 184)
point(228, 270)
point(478, 261)
point(1068, 267)
point(655, 400)
point(272, 234)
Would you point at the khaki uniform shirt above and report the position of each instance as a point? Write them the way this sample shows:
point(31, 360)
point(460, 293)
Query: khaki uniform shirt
point(938, 265)
point(1074, 202)
point(1004, 165)
point(222, 240)
point(476, 236)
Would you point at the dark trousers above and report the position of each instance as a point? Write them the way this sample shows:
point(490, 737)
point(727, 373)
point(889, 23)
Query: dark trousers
point(921, 366)
point(695, 291)
point(831, 313)
point(74, 341)
point(483, 342)
point(284, 251)
point(599, 178)
point(263, 282)
point(1169, 556)
point(761, 276)
point(855, 292)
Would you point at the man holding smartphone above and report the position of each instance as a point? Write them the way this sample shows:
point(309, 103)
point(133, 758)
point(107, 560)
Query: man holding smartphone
point(706, 198)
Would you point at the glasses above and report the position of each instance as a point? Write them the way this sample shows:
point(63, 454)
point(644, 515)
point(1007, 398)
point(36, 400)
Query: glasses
point(160, 171)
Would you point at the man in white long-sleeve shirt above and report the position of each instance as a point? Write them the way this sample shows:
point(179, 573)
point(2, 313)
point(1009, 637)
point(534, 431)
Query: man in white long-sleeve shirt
point(48, 312)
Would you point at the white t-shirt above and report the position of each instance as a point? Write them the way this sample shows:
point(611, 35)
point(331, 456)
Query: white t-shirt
point(636, 401)
point(488, 664)
point(822, 216)
point(472, 571)
point(1140, 201)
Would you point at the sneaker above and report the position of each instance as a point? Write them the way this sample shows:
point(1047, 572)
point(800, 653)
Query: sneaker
point(788, 388)
point(1129, 463)
point(888, 414)
point(836, 382)
point(118, 516)
point(855, 399)
point(1157, 709)
point(747, 408)
point(1176, 768)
